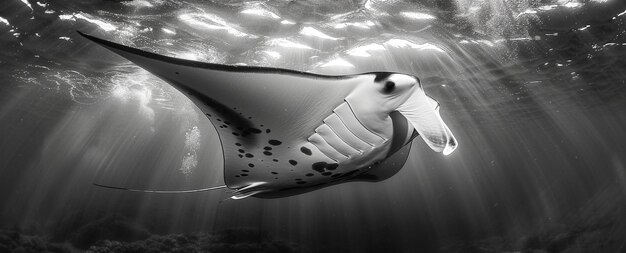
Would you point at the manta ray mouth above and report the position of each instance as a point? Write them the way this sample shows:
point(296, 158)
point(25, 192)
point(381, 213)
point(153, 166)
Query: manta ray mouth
point(423, 113)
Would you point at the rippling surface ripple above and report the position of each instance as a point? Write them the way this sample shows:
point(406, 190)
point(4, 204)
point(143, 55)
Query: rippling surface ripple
point(534, 91)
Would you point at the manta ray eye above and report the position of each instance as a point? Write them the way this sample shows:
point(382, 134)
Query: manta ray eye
point(389, 86)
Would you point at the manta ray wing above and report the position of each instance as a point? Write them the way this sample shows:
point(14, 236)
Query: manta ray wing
point(263, 115)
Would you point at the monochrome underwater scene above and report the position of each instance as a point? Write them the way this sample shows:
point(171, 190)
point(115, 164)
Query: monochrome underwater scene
point(533, 90)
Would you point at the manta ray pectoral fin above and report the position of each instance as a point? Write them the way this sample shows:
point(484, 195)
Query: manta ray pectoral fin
point(423, 113)
point(161, 191)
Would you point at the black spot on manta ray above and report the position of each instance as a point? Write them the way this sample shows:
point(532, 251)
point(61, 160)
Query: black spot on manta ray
point(250, 165)
point(241, 151)
point(235, 134)
point(240, 156)
point(319, 166)
point(309, 174)
point(275, 160)
point(332, 166)
point(238, 144)
point(177, 73)
point(293, 162)
point(274, 172)
point(244, 175)
point(245, 171)
point(267, 148)
point(249, 155)
point(267, 153)
point(267, 130)
point(306, 151)
point(274, 142)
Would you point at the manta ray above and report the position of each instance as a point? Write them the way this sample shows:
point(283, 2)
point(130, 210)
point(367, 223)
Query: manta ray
point(285, 132)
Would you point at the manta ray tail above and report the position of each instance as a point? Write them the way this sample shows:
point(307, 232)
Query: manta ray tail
point(159, 191)
point(238, 194)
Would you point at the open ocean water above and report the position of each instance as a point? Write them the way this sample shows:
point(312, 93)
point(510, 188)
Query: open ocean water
point(534, 91)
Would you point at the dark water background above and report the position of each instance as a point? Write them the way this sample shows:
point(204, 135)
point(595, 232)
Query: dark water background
point(534, 91)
